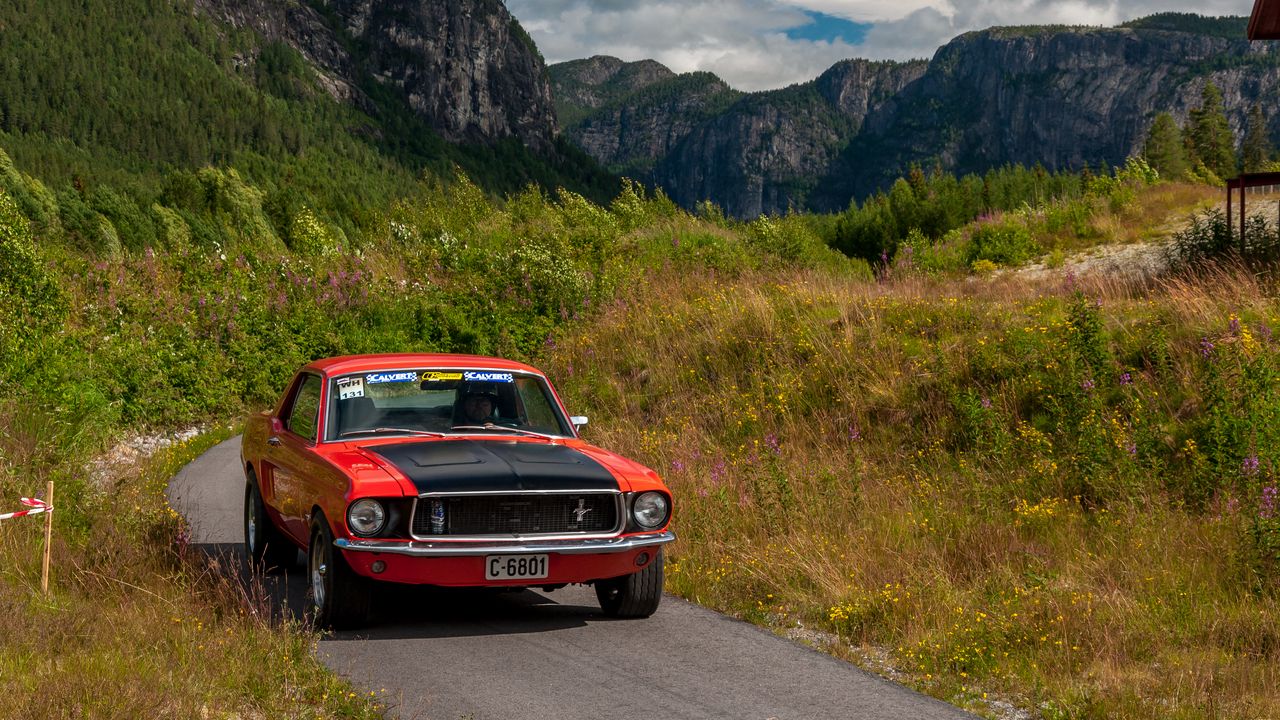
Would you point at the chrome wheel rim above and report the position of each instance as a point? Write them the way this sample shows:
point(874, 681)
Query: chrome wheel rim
point(250, 526)
point(317, 574)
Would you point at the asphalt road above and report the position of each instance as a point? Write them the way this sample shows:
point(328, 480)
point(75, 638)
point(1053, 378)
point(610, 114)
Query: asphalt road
point(445, 655)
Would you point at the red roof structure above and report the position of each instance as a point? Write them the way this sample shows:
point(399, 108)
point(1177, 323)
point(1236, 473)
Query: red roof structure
point(1264, 23)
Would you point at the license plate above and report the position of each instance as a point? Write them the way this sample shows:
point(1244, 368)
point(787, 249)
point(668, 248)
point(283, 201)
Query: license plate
point(515, 567)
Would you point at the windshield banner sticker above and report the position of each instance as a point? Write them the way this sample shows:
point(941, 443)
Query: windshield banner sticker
point(396, 377)
point(440, 376)
point(350, 387)
point(489, 377)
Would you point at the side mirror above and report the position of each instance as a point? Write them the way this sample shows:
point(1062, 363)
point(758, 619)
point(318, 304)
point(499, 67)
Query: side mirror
point(578, 421)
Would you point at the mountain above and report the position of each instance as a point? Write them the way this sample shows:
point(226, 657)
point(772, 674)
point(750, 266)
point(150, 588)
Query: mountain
point(1064, 97)
point(338, 105)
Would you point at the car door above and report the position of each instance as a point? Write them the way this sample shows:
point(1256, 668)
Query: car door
point(294, 457)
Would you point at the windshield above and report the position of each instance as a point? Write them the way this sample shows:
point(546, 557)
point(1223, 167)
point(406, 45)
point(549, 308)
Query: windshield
point(442, 401)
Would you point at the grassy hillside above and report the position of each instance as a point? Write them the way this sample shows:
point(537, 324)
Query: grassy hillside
point(925, 462)
point(1059, 493)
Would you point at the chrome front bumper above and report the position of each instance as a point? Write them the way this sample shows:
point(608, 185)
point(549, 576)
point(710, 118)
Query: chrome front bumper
point(507, 547)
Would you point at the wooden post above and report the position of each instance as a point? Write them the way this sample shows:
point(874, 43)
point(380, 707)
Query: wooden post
point(48, 541)
point(1243, 190)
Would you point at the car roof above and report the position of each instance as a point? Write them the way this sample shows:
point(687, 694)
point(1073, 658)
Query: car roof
point(400, 361)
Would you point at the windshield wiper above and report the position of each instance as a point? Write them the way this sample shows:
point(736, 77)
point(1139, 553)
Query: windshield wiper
point(505, 428)
point(372, 431)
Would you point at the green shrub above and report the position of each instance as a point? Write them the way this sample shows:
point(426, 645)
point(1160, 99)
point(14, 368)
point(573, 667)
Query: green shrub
point(1003, 243)
point(30, 299)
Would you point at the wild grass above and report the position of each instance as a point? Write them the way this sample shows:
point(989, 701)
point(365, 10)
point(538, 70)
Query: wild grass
point(1053, 492)
point(138, 623)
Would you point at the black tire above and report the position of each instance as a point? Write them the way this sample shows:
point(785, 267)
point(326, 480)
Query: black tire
point(632, 596)
point(340, 599)
point(264, 545)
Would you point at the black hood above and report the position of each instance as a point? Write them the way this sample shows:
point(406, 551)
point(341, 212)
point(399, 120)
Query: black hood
point(477, 465)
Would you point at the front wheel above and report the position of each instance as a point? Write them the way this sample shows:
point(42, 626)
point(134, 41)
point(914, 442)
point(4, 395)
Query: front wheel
point(264, 545)
point(634, 596)
point(339, 597)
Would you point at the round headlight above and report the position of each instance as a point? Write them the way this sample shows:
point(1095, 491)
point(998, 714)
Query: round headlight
point(366, 516)
point(650, 509)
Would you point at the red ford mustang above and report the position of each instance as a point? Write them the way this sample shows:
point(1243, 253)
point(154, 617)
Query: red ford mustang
point(452, 470)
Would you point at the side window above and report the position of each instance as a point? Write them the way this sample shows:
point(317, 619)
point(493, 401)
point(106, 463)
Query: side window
point(304, 415)
point(537, 408)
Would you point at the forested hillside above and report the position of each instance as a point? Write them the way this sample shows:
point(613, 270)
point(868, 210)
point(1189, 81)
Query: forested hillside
point(136, 94)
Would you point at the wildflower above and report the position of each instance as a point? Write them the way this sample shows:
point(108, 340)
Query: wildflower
point(1267, 508)
point(1087, 385)
point(854, 433)
point(1133, 449)
point(1206, 347)
point(1250, 466)
point(771, 442)
point(986, 403)
point(677, 466)
point(717, 471)
point(1235, 324)
point(1126, 379)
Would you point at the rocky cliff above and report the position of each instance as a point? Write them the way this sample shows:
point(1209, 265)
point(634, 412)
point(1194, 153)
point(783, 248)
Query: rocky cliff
point(698, 138)
point(1063, 97)
point(465, 66)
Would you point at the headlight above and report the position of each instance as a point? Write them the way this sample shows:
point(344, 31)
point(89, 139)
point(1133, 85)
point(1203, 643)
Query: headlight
point(650, 510)
point(366, 517)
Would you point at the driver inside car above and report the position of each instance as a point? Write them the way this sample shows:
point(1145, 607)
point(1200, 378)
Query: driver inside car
point(477, 409)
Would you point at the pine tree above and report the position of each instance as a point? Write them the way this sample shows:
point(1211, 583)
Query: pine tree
point(1209, 136)
point(1164, 149)
point(1256, 151)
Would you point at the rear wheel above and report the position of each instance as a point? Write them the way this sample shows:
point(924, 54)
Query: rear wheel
point(339, 597)
point(633, 596)
point(264, 545)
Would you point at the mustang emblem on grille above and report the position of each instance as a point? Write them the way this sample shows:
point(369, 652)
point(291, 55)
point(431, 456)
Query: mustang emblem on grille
point(581, 511)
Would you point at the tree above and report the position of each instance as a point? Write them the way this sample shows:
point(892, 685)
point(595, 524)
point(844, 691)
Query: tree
point(1256, 151)
point(1209, 136)
point(1164, 150)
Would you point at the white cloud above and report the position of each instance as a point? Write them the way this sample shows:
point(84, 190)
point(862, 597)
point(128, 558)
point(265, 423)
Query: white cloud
point(745, 42)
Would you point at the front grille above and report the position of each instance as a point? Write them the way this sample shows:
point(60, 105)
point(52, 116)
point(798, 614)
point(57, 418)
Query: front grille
point(515, 514)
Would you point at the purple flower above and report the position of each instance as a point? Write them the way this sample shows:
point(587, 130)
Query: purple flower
point(1235, 325)
point(1087, 385)
point(854, 433)
point(986, 403)
point(1265, 331)
point(1267, 508)
point(1133, 449)
point(677, 466)
point(1070, 283)
point(1250, 466)
point(771, 442)
point(1206, 347)
point(717, 472)
point(1126, 379)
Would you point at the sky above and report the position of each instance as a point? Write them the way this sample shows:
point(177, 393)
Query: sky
point(764, 44)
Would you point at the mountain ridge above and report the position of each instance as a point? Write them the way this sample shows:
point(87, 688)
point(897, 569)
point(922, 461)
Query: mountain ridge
point(1066, 97)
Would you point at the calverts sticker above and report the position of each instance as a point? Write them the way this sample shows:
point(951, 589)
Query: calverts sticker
point(434, 376)
point(396, 377)
point(488, 377)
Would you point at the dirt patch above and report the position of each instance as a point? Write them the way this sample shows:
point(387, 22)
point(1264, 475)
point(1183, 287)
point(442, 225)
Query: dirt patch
point(125, 460)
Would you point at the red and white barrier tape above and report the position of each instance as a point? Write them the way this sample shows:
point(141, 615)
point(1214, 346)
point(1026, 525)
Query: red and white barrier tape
point(36, 506)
